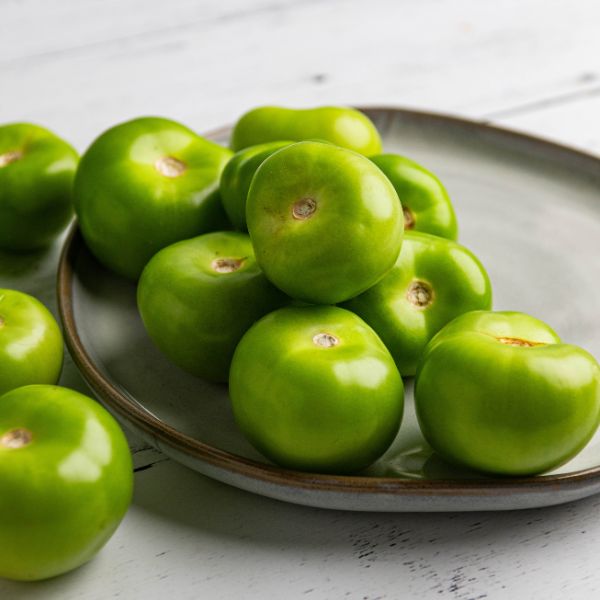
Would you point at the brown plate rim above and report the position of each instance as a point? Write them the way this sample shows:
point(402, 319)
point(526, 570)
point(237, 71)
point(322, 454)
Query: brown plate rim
point(165, 435)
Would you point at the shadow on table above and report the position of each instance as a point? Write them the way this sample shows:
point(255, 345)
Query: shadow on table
point(175, 493)
point(21, 264)
point(171, 493)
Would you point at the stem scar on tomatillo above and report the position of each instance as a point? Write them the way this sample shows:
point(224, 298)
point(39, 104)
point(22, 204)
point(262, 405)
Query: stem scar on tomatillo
point(227, 265)
point(16, 438)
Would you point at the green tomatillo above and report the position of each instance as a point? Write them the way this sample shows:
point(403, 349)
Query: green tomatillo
point(425, 201)
point(499, 392)
point(345, 127)
point(143, 185)
point(325, 222)
point(433, 281)
point(313, 388)
point(67, 480)
point(36, 180)
point(31, 344)
point(237, 176)
point(199, 296)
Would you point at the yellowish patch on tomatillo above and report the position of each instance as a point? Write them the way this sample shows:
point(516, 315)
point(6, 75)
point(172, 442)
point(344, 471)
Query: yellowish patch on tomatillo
point(512, 341)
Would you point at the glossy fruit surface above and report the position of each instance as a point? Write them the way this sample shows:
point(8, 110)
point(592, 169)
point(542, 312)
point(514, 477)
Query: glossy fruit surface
point(237, 176)
point(67, 480)
point(31, 344)
point(314, 388)
point(345, 127)
point(499, 392)
point(433, 281)
point(425, 201)
point(325, 222)
point(198, 297)
point(36, 180)
point(144, 185)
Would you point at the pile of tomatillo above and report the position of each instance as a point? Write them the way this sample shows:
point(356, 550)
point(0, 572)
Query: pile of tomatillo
point(305, 268)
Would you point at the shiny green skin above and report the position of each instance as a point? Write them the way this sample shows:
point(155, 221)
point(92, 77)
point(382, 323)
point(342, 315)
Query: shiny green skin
point(421, 193)
point(128, 210)
point(65, 493)
point(351, 240)
point(459, 283)
point(345, 127)
point(503, 409)
point(237, 176)
point(196, 315)
point(313, 408)
point(31, 344)
point(35, 188)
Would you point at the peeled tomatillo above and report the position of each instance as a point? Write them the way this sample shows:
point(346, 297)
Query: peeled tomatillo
point(433, 281)
point(198, 297)
point(425, 201)
point(66, 478)
point(237, 176)
point(313, 388)
point(143, 185)
point(31, 344)
point(325, 222)
point(36, 180)
point(345, 127)
point(499, 392)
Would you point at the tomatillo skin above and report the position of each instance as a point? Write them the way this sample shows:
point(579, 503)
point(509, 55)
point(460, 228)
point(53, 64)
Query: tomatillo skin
point(144, 185)
point(31, 344)
point(433, 281)
point(425, 201)
point(345, 127)
point(499, 392)
point(67, 480)
point(325, 222)
point(198, 297)
point(237, 176)
point(313, 388)
point(37, 169)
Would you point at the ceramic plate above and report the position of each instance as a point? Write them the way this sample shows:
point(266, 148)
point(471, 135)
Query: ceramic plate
point(528, 208)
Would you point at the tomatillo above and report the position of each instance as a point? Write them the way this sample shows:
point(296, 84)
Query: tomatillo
point(499, 392)
point(67, 480)
point(198, 297)
point(325, 222)
point(144, 185)
point(314, 388)
point(425, 201)
point(36, 180)
point(433, 281)
point(237, 176)
point(345, 127)
point(31, 344)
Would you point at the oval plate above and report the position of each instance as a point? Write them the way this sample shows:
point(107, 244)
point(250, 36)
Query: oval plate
point(528, 208)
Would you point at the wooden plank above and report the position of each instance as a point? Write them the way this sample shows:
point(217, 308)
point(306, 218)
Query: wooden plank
point(49, 30)
point(475, 60)
point(574, 122)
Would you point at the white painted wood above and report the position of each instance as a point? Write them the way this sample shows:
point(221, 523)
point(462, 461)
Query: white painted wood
point(468, 56)
point(80, 66)
point(576, 122)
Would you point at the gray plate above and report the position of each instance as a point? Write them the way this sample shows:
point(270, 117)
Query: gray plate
point(528, 208)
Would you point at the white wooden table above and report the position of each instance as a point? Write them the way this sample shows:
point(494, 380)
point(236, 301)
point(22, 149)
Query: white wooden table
point(81, 66)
